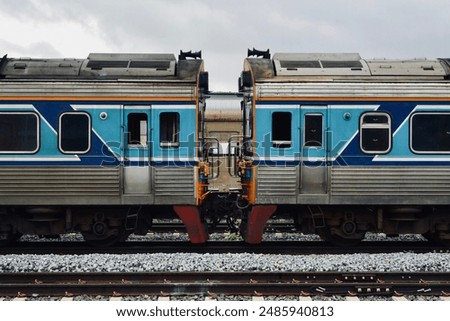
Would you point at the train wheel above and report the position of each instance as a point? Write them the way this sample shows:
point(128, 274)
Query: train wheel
point(327, 235)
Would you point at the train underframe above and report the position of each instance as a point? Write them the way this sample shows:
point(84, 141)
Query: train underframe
point(347, 225)
point(342, 225)
point(99, 225)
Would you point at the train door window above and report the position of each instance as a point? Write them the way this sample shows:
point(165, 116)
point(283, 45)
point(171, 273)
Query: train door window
point(430, 133)
point(169, 129)
point(74, 133)
point(137, 129)
point(375, 133)
point(281, 129)
point(19, 133)
point(313, 130)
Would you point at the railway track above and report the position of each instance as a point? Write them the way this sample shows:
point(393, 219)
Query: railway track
point(214, 283)
point(268, 247)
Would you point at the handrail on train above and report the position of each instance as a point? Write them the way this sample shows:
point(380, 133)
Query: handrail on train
point(207, 146)
point(236, 155)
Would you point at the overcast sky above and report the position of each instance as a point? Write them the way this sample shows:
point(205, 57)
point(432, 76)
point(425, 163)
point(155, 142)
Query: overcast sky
point(224, 29)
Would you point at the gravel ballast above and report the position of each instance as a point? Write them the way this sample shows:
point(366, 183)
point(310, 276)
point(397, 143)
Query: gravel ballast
point(228, 262)
point(188, 262)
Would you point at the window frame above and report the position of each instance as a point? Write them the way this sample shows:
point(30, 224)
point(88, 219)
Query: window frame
point(137, 143)
point(174, 143)
point(38, 132)
point(247, 118)
point(305, 143)
point(89, 137)
point(411, 123)
point(375, 125)
point(281, 143)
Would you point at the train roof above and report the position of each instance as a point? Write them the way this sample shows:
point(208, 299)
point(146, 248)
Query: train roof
point(288, 67)
point(112, 66)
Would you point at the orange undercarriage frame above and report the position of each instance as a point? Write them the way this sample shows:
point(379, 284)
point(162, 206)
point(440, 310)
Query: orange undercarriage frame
point(197, 230)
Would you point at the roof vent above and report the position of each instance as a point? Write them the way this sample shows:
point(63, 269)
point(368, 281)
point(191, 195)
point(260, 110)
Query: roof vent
point(319, 64)
point(130, 65)
point(413, 67)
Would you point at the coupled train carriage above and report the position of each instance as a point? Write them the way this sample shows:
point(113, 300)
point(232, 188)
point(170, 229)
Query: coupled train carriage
point(337, 144)
point(101, 145)
point(345, 145)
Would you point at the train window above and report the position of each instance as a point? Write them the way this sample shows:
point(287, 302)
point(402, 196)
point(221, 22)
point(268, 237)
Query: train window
point(375, 133)
point(169, 129)
point(74, 132)
point(430, 133)
point(137, 129)
point(247, 118)
point(19, 133)
point(313, 130)
point(281, 129)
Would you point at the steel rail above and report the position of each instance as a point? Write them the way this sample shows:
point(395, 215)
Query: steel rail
point(216, 283)
point(266, 247)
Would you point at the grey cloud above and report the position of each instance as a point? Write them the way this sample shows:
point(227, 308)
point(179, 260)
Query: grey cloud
point(223, 30)
point(35, 49)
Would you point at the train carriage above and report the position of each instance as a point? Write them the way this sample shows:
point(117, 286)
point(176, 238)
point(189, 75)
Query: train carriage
point(99, 145)
point(345, 145)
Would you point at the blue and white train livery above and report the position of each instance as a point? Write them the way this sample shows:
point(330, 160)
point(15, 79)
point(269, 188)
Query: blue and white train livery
point(346, 145)
point(99, 145)
point(339, 144)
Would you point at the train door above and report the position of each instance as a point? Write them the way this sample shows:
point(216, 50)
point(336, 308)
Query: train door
point(136, 136)
point(313, 149)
